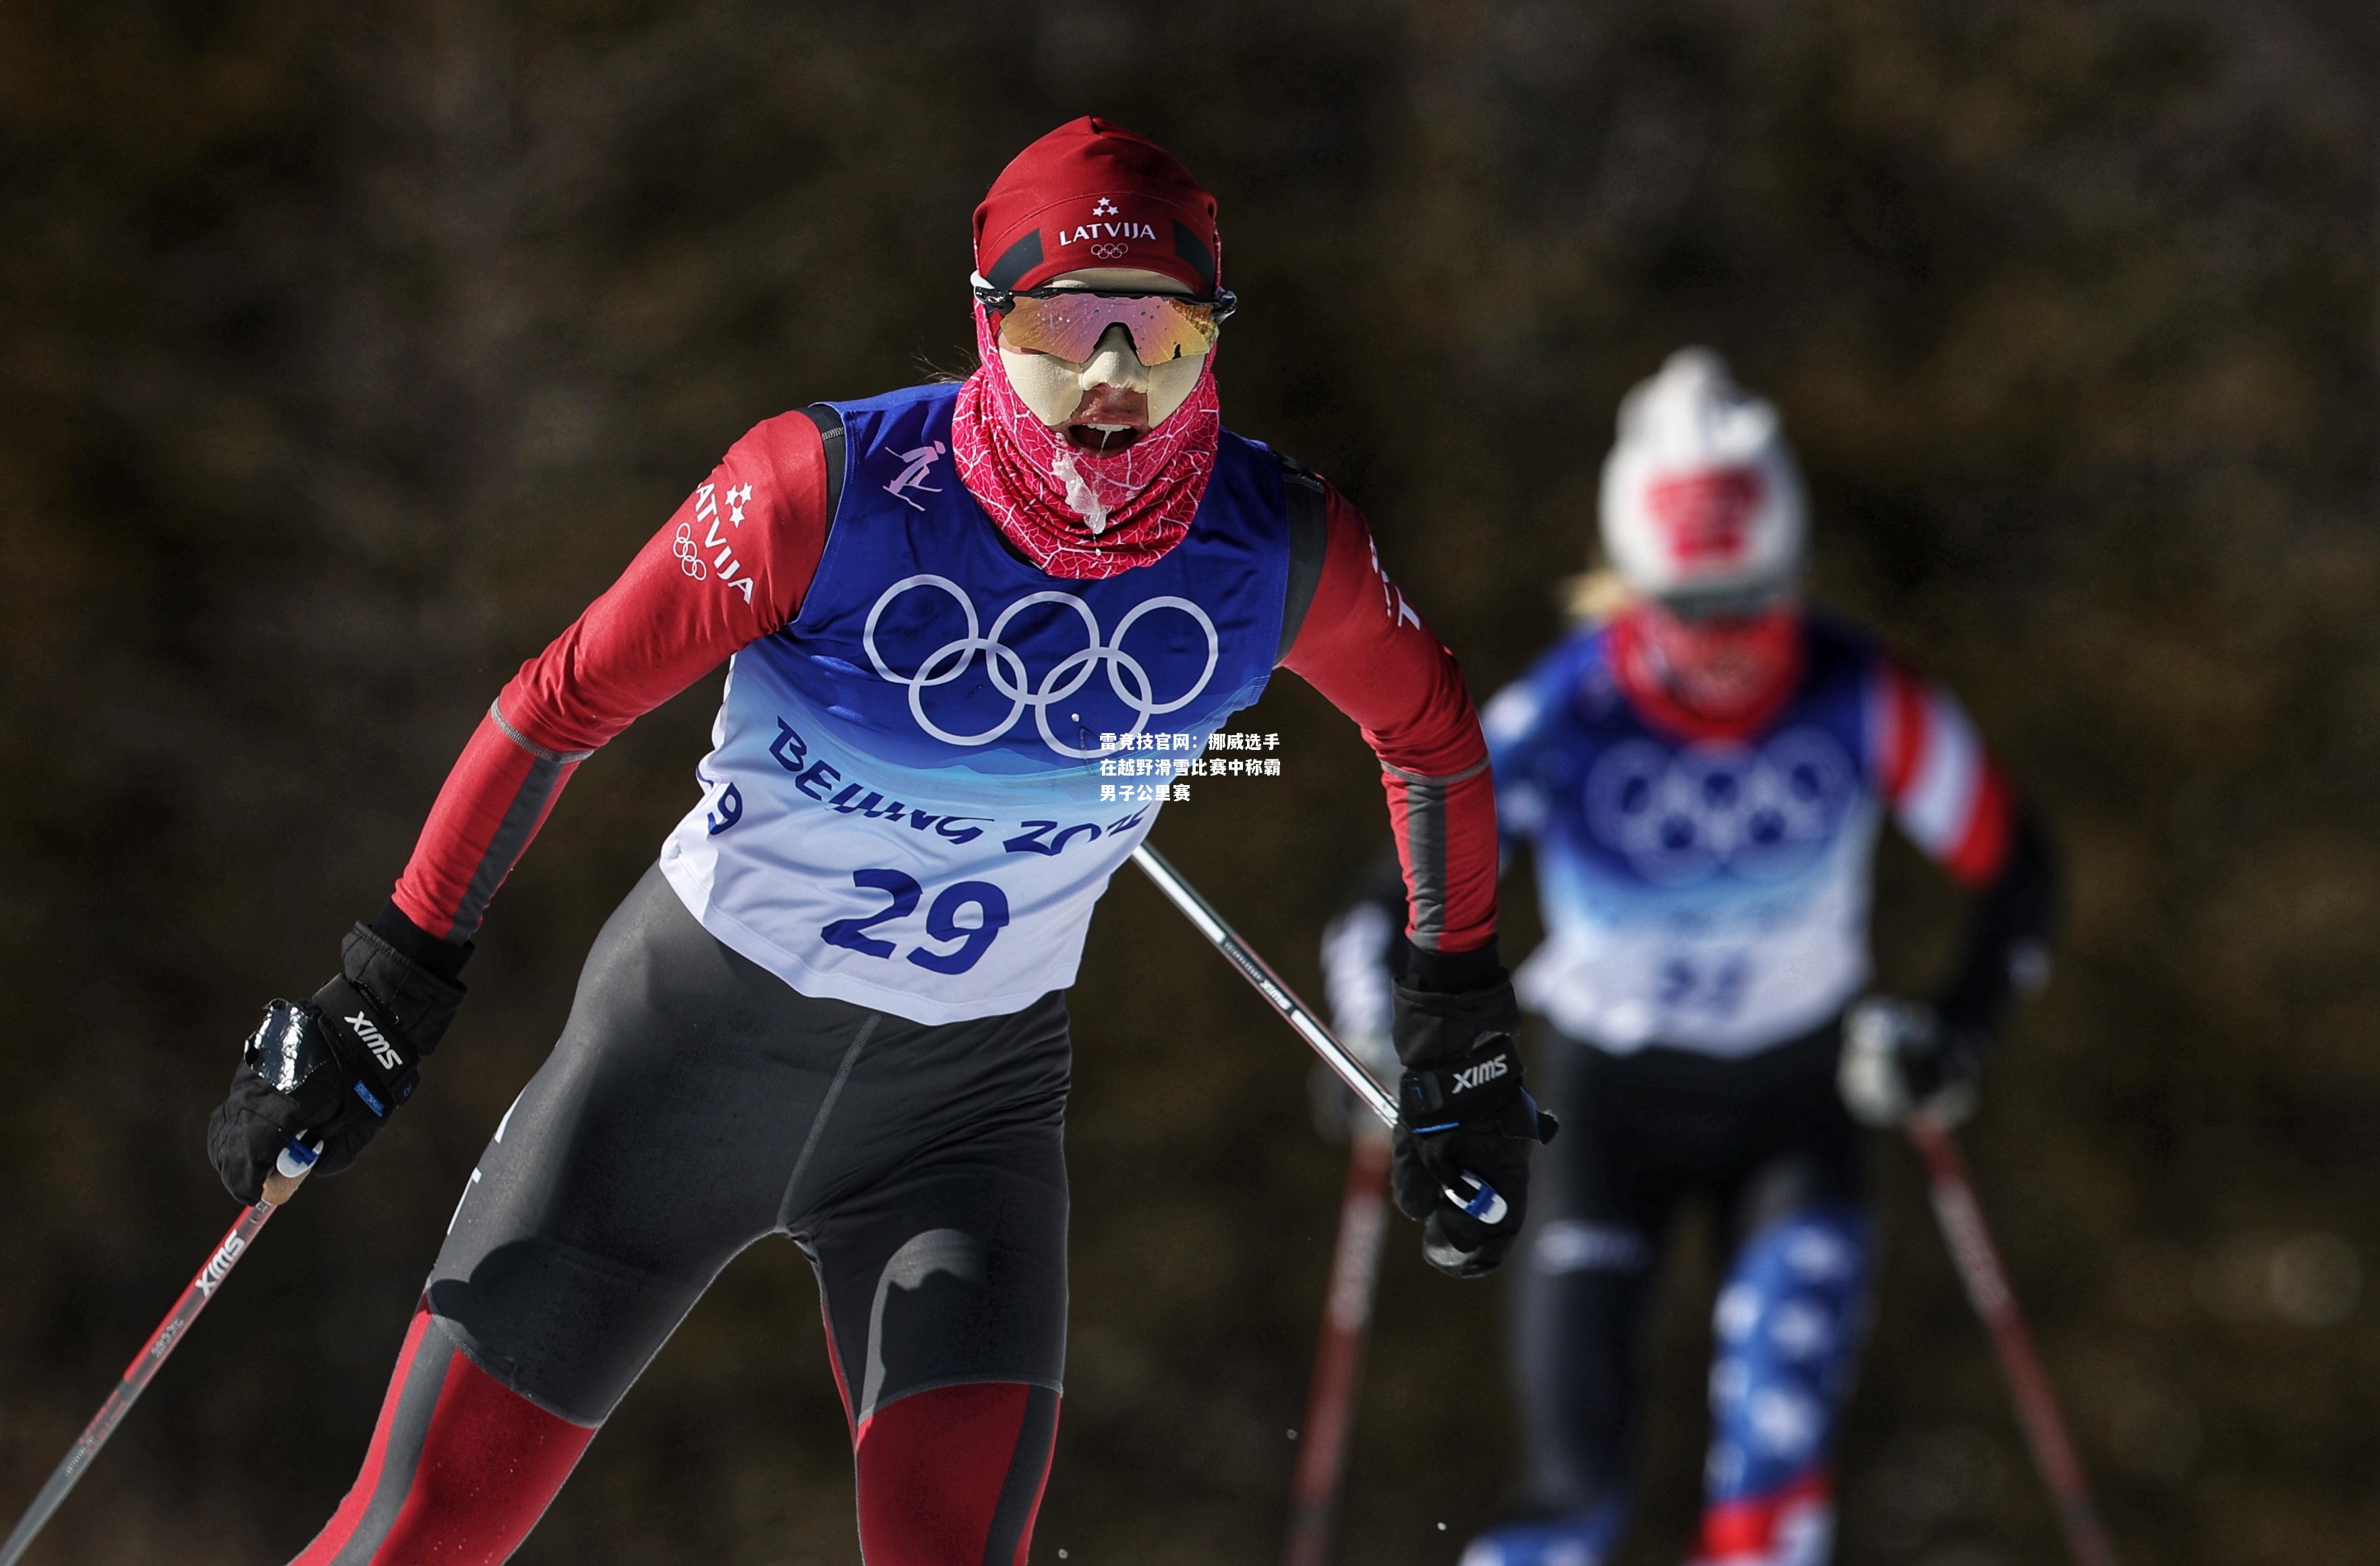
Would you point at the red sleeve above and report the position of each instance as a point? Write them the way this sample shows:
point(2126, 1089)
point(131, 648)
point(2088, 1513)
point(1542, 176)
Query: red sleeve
point(1948, 794)
point(728, 568)
point(1363, 645)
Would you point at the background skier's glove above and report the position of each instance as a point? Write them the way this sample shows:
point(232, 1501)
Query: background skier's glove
point(1899, 1057)
point(332, 1069)
point(1463, 1111)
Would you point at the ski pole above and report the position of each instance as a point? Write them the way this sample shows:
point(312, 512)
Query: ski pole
point(1987, 1282)
point(289, 1171)
point(1339, 1360)
point(1483, 1203)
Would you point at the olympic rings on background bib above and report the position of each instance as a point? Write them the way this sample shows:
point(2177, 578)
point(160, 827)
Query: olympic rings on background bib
point(1678, 816)
point(1005, 667)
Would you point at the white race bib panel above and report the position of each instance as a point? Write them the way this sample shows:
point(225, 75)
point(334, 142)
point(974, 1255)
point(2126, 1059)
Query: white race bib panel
point(1707, 895)
point(901, 807)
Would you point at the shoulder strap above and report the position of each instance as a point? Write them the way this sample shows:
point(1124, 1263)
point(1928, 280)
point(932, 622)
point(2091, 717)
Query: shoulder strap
point(829, 429)
point(1310, 534)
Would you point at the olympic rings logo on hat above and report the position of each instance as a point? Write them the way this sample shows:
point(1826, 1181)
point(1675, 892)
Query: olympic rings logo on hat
point(1005, 667)
point(689, 559)
point(1678, 817)
point(1107, 250)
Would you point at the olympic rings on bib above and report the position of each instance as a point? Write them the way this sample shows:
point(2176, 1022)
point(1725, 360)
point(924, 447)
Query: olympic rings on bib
point(1678, 816)
point(1005, 667)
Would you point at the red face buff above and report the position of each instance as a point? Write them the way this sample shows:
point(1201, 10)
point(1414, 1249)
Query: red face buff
point(1719, 672)
point(1087, 195)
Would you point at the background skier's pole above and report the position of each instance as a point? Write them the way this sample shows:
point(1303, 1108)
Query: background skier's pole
point(1339, 1360)
point(279, 1186)
point(1987, 1289)
point(1322, 1452)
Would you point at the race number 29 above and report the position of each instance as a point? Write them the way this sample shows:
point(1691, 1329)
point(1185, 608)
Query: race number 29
point(942, 923)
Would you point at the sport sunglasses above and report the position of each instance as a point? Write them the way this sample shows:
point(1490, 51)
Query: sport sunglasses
point(1726, 606)
point(1069, 322)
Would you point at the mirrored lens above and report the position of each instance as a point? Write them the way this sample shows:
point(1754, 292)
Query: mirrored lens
point(1069, 325)
point(1726, 606)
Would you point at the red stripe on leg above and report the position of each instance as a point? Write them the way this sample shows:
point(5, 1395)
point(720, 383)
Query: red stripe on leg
point(488, 1462)
point(933, 1467)
point(492, 1465)
point(1752, 1530)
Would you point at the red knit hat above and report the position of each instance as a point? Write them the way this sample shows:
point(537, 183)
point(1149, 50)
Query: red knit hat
point(1093, 194)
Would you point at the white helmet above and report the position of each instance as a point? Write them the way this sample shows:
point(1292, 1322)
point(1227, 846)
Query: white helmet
point(1702, 504)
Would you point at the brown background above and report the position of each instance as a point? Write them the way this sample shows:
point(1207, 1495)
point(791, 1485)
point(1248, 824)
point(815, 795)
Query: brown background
point(347, 350)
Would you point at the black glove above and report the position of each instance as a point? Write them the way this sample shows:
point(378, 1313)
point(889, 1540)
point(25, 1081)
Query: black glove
point(1901, 1057)
point(332, 1069)
point(1463, 1117)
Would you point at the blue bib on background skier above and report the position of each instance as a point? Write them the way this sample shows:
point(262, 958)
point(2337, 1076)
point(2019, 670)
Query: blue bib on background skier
point(1711, 894)
point(902, 805)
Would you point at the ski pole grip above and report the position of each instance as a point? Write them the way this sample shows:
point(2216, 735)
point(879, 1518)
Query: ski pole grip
point(289, 1171)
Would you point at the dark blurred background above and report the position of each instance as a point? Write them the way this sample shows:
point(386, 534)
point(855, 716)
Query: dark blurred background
point(348, 350)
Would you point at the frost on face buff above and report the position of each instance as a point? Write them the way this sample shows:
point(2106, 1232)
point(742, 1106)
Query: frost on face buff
point(1105, 403)
point(1092, 468)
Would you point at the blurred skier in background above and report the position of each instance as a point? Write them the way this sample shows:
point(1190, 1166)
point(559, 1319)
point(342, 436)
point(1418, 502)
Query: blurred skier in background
point(1701, 768)
point(834, 1009)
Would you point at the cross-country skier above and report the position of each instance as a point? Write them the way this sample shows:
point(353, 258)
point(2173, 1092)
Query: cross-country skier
point(835, 1009)
point(1702, 776)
